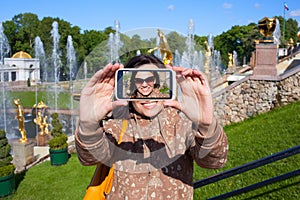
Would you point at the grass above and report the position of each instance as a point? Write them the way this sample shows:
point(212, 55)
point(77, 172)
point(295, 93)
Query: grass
point(28, 98)
point(250, 140)
point(253, 139)
point(43, 181)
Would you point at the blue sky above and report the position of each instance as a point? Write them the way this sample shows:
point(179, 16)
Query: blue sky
point(214, 17)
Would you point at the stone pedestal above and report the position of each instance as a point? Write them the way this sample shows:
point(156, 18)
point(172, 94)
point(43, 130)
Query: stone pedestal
point(265, 60)
point(23, 154)
point(42, 139)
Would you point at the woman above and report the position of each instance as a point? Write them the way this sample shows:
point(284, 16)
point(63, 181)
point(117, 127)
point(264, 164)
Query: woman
point(163, 138)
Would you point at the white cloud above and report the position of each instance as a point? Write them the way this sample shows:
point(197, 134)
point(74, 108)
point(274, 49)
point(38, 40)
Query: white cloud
point(170, 7)
point(295, 13)
point(227, 5)
point(256, 5)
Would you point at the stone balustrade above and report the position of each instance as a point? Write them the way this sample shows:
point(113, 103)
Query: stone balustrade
point(255, 95)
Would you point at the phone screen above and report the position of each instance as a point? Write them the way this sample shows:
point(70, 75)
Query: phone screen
point(144, 84)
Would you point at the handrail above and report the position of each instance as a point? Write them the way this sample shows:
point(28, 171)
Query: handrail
point(257, 185)
point(248, 166)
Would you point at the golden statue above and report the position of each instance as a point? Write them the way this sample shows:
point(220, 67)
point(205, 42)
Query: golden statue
point(42, 123)
point(41, 104)
point(267, 26)
point(20, 117)
point(230, 62)
point(164, 48)
point(208, 54)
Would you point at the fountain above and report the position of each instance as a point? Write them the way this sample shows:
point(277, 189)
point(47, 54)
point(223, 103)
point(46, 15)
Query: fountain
point(4, 51)
point(110, 45)
point(114, 44)
point(190, 43)
point(40, 54)
point(55, 59)
point(85, 70)
point(72, 63)
point(277, 33)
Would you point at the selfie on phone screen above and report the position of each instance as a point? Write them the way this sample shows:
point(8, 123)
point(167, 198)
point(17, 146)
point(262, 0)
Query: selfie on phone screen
point(145, 84)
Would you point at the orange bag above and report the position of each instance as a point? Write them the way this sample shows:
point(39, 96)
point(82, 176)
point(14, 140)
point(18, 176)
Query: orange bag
point(102, 180)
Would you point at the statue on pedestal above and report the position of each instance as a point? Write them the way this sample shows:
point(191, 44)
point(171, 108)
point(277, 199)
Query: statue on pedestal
point(42, 123)
point(20, 117)
point(266, 27)
point(41, 120)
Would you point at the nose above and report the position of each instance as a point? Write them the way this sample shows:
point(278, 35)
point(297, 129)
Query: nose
point(144, 83)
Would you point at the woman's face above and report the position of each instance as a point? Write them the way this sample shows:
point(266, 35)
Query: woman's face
point(144, 82)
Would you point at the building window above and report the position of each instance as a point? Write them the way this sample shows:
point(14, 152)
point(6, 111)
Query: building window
point(13, 76)
point(5, 76)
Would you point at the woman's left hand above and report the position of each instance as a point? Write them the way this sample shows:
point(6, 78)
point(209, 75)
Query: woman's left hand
point(196, 100)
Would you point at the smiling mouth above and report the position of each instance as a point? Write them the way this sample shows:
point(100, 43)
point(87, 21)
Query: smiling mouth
point(145, 89)
point(149, 104)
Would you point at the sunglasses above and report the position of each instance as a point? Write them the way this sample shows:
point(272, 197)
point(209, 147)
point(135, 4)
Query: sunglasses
point(148, 80)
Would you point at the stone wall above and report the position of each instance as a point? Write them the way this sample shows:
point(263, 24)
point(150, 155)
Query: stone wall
point(255, 95)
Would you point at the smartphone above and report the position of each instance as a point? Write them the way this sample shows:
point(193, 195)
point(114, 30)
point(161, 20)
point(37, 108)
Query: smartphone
point(145, 84)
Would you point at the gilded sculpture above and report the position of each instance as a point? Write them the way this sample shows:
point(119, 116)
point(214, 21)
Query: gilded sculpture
point(164, 48)
point(20, 117)
point(267, 26)
point(42, 123)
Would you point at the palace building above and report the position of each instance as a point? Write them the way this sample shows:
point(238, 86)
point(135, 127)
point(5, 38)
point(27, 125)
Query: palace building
point(20, 67)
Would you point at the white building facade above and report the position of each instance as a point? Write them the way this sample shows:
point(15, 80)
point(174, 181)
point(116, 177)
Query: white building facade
point(20, 67)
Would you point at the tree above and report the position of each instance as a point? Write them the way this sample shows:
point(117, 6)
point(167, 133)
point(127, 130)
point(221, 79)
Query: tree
point(27, 25)
point(239, 39)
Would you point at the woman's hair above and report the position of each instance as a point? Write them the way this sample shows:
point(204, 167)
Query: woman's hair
point(137, 61)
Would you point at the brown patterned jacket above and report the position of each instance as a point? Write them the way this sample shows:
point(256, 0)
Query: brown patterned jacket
point(155, 158)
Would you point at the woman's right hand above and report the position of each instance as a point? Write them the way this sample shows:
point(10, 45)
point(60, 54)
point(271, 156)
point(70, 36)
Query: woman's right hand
point(96, 97)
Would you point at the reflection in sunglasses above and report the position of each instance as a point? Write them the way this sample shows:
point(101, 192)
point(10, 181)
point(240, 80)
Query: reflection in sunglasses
point(148, 80)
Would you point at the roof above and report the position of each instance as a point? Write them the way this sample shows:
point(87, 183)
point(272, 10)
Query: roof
point(21, 54)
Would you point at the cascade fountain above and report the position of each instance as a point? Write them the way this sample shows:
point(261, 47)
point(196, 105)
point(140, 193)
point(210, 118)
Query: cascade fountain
point(4, 51)
point(72, 63)
point(56, 61)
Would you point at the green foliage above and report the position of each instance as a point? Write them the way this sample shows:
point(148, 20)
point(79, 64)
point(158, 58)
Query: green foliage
point(6, 167)
point(7, 170)
point(59, 140)
point(239, 39)
point(165, 89)
point(290, 29)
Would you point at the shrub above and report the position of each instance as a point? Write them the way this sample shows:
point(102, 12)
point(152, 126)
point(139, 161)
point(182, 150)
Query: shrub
point(59, 140)
point(6, 167)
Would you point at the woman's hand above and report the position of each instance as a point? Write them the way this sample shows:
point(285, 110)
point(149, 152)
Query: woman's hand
point(196, 99)
point(96, 97)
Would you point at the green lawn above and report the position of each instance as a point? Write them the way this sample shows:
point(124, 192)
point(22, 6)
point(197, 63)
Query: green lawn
point(28, 99)
point(253, 139)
